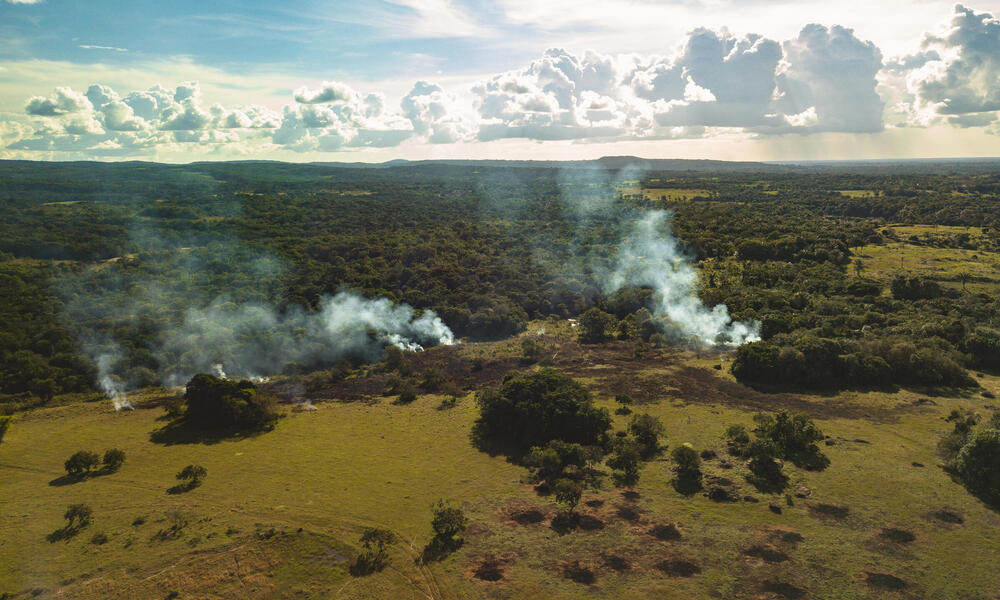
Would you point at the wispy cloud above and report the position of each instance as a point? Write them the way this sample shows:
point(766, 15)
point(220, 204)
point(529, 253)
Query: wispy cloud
point(111, 48)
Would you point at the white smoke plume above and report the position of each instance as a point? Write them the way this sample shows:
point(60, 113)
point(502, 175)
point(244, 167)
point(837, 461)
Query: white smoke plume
point(253, 340)
point(651, 257)
point(112, 386)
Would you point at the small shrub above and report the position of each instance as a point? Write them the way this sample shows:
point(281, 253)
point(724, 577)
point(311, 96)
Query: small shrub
point(407, 392)
point(190, 477)
point(5, 421)
point(78, 516)
point(99, 539)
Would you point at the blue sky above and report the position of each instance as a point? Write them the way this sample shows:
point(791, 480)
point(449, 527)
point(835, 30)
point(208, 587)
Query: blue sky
point(731, 79)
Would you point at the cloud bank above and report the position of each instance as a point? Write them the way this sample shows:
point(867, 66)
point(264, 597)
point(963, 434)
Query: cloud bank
point(826, 79)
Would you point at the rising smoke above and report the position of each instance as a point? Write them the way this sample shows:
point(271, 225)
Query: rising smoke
point(172, 310)
point(253, 340)
point(651, 257)
point(112, 386)
point(647, 256)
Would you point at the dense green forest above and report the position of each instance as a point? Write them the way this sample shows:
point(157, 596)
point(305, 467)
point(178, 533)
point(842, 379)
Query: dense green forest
point(96, 256)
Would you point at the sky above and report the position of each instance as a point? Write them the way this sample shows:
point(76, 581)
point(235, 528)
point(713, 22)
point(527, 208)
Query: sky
point(370, 81)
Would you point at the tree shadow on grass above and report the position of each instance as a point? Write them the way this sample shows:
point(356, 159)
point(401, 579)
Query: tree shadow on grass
point(67, 480)
point(687, 485)
point(63, 533)
point(182, 488)
point(439, 548)
point(770, 482)
point(184, 432)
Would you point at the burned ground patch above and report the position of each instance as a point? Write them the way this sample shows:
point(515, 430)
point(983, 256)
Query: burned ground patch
point(628, 513)
point(767, 553)
point(665, 532)
point(696, 385)
point(885, 581)
point(784, 536)
point(578, 571)
point(948, 516)
point(490, 568)
point(677, 567)
point(522, 513)
point(829, 511)
point(616, 562)
point(782, 589)
point(897, 536)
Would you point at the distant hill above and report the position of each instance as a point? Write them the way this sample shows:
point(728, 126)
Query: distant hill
point(615, 163)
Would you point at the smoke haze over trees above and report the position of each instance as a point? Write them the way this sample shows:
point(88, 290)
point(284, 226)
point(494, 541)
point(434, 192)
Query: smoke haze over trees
point(132, 275)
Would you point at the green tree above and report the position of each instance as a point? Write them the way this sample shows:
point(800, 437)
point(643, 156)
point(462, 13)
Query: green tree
point(448, 522)
point(686, 460)
point(567, 493)
point(81, 463)
point(596, 326)
point(227, 404)
point(534, 408)
point(978, 464)
point(374, 555)
point(113, 459)
point(647, 430)
point(625, 458)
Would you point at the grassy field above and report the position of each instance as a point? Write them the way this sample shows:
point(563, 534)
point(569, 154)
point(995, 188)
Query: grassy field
point(279, 514)
point(666, 194)
point(947, 265)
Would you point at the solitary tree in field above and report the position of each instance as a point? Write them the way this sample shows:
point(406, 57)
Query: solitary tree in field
point(448, 523)
point(113, 459)
point(81, 464)
point(374, 555)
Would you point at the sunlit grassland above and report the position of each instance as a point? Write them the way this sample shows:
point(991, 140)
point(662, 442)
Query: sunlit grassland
point(347, 466)
point(975, 270)
point(666, 194)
